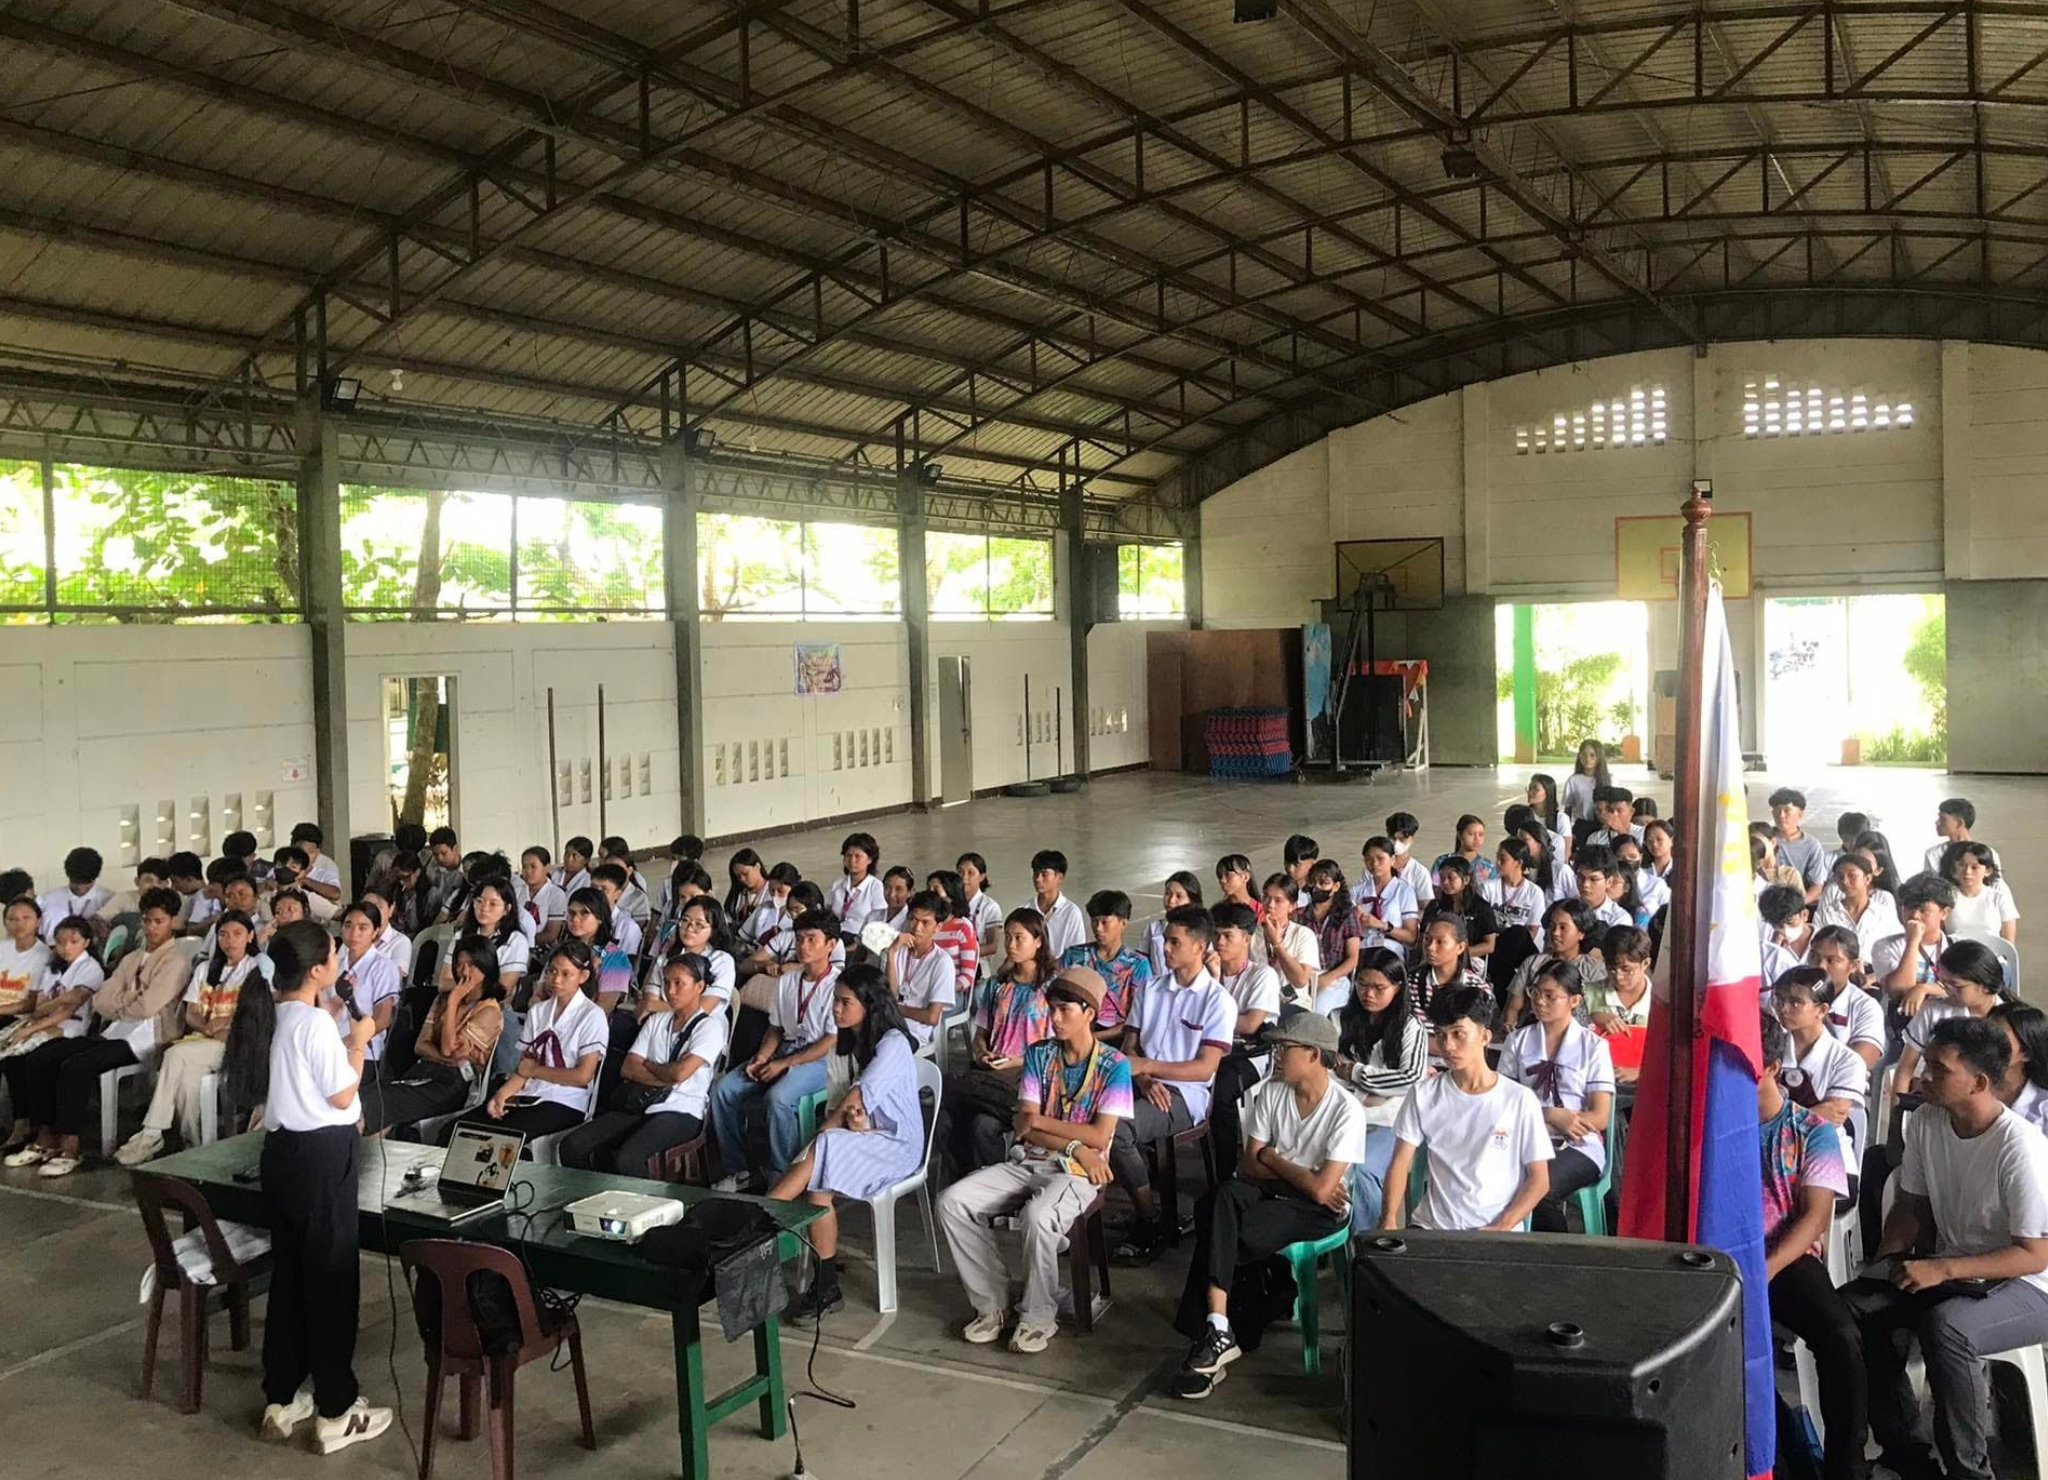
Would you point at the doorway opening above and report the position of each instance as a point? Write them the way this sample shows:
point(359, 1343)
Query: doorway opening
point(1569, 672)
point(1856, 679)
point(419, 750)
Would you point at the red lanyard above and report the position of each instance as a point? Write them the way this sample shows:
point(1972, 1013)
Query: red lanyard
point(804, 999)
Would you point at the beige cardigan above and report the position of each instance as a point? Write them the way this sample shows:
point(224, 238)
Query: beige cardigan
point(148, 984)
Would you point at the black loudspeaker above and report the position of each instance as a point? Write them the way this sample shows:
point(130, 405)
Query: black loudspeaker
point(1369, 729)
point(1099, 599)
point(1514, 1357)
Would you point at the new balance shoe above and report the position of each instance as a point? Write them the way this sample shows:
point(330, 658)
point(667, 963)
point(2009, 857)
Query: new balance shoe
point(360, 1422)
point(282, 1420)
point(984, 1330)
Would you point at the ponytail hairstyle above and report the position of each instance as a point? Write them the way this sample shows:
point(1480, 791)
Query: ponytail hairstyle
point(217, 967)
point(980, 865)
point(245, 1059)
point(1546, 811)
point(1977, 964)
point(295, 949)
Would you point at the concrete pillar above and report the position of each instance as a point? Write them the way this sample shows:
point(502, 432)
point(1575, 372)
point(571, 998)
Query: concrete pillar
point(679, 576)
point(1958, 547)
point(917, 628)
point(1478, 480)
point(319, 516)
point(1191, 575)
point(1073, 578)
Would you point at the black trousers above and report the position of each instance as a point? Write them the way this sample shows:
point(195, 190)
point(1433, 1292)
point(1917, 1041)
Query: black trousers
point(977, 1107)
point(1570, 1171)
point(429, 1089)
point(1242, 1224)
point(57, 1086)
point(542, 1118)
point(624, 1027)
point(309, 1329)
point(1805, 1302)
point(622, 1142)
point(1235, 1077)
point(1148, 1123)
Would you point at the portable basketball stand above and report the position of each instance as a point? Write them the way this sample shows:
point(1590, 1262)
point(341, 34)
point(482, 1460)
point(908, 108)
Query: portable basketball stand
point(1375, 576)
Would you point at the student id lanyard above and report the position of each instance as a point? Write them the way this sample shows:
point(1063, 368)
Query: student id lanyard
point(804, 1000)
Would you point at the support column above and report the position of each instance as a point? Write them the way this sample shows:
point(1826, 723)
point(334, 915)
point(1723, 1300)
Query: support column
point(319, 520)
point(917, 628)
point(1191, 573)
point(1075, 577)
point(1958, 533)
point(679, 579)
point(1476, 421)
point(1525, 683)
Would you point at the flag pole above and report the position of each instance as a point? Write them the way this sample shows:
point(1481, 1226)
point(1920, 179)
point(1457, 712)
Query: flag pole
point(1690, 868)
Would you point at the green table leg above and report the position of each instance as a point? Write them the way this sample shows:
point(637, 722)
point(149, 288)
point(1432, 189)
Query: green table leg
point(692, 1421)
point(768, 1363)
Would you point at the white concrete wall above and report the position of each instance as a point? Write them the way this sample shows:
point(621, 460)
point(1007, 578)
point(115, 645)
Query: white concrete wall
point(1266, 544)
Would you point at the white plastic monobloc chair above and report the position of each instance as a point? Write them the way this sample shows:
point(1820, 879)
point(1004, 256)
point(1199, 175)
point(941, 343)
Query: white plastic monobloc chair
point(884, 1203)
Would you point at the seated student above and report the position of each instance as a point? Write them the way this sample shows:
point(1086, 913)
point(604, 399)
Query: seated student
point(1854, 1014)
point(1298, 855)
point(1073, 1092)
point(82, 893)
point(856, 897)
point(1803, 1174)
point(898, 884)
point(1651, 894)
point(62, 1009)
point(956, 934)
point(1615, 806)
point(542, 902)
point(1457, 894)
point(1122, 970)
point(1984, 903)
point(454, 1046)
point(24, 960)
point(633, 894)
point(2025, 1086)
point(444, 876)
point(1969, 982)
point(1064, 926)
point(1822, 1072)
point(1443, 965)
point(1974, 1186)
point(188, 878)
point(1572, 1073)
point(664, 1087)
point(980, 1100)
point(1180, 890)
point(375, 984)
point(1903, 965)
point(1234, 883)
point(1617, 1005)
point(1469, 848)
point(789, 1064)
point(1595, 866)
point(987, 915)
point(1851, 901)
point(1785, 921)
point(1303, 1136)
point(1765, 870)
point(216, 986)
point(1401, 830)
point(287, 907)
point(389, 942)
point(776, 952)
point(873, 1139)
point(56, 1087)
point(1567, 928)
point(493, 914)
point(574, 872)
point(612, 881)
point(687, 848)
point(1388, 912)
point(748, 887)
point(1516, 899)
point(768, 918)
point(1952, 823)
point(1285, 944)
point(1181, 1025)
point(150, 873)
point(1796, 849)
point(700, 930)
point(920, 975)
point(320, 879)
point(1848, 828)
point(1339, 936)
point(1658, 840)
point(1255, 992)
point(1488, 1145)
point(1540, 799)
point(559, 1054)
point(1382, 1049)
point(1546, 865)
point(240, 848)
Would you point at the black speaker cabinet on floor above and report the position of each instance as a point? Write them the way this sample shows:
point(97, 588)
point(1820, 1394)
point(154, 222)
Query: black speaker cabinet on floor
point(1533, 1357)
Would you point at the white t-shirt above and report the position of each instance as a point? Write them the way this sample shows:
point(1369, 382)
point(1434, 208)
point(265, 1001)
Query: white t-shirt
point(1478, 1148)
point(802, 1010)
point(307, 1064)
point(1255, 989)
point(1297, 943)
point(60, 905)
point(376, 980)
point(323, 871)
point(2031, 1105)
point(1652, 891)
point(1934, 857)
point(1394, 902)
point(1880, 918)
point(236, 976)
point(1522, 905)
point(23, 972)
point(83, 973)
point(657, 1045)
point(1577, 800)
point(1992, 907)
point(571, 1034)
point(988, 921)
point(1888, 952)
point(920, 983)
point(1834, 1071)
point(1333, 1131)
point(1920, 1026)
point(1584, 1068)
point(1987, 1191)
point(1173, 1024)
point(1065, 926)
point(1854, 1017)
point(856, 904)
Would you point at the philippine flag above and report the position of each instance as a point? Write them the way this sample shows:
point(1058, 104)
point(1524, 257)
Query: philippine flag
point(1727, 1176)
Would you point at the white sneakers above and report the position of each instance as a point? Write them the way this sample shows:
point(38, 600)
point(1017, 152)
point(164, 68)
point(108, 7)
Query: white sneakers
point(360, 1422)
point(353, 1427)
point(984, 1330)
point(1030, 1338)
point(141, 1147)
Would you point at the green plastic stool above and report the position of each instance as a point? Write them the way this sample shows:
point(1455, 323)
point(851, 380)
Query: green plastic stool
point(1593, 1200)
point(808, 1110)
point(1305, 1258)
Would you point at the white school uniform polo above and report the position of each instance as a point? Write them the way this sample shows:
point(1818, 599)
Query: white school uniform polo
point(856, 904)
point(802, 1010)
point(1174, 1023)
point(60, 905)
point(1254, 989)
point(704, 1036)
point(542, 907)
point(920, 983)
point(1415, 874)
point(322, 870)
point(514, 954)
point(1394, 902)
point(376, 980)
point(1478, 1148)
point(1854, 1017)
point(1611, 912)
point(625, 931)
point(1834, 1071)
point(988, 921)
point(1880, 918)
point(395, 948)
point(1583, 1068)
point(560, 1037)
point(1065, 926)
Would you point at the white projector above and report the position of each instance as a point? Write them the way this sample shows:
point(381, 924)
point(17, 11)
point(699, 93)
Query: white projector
point(625, 1216)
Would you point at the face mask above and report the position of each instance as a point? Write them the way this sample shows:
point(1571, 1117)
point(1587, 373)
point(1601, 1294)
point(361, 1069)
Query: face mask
point(1322, 896)
point(1401, 846)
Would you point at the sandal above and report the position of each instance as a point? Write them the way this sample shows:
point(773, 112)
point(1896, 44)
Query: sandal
point(61, 1166)
point(27, 1156)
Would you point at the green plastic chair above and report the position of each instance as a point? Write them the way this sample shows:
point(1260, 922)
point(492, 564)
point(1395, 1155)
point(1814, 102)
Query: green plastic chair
point(1305, 1259)
point(808, 1109)
point(1593, 1200)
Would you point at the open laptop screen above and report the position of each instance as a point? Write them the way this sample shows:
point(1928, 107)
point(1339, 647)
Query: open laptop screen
point(481, 1159)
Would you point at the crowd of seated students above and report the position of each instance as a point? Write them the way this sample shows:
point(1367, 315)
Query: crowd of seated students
point(1471, 1027)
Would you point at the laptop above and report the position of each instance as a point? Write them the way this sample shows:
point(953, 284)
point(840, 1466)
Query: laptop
point(476, 1173)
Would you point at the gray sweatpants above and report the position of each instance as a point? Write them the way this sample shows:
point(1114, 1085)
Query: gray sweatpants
point(1046, 1200)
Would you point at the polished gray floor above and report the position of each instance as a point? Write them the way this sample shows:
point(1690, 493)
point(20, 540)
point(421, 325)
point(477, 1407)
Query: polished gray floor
point(929, 1405)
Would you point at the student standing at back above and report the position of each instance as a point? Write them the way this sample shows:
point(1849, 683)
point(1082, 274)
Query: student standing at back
point(1588, 771)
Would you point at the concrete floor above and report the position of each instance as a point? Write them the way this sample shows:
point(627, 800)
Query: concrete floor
point(929, 1405)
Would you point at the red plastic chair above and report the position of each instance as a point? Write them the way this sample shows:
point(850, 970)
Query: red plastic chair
point(231, 1281)
point(457, 1347)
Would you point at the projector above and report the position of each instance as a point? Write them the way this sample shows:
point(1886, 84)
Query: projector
point(625, 1216)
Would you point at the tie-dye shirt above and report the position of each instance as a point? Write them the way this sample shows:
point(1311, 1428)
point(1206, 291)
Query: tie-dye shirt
point(1122, 973)
point(1800, 1150)
point(1016, 1017)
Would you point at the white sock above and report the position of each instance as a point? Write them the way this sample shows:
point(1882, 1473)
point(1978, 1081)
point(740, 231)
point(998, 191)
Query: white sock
point(1221, 1323)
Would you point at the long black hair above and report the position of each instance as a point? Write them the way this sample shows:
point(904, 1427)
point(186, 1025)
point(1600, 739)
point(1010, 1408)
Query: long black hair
point(882, 1015)
point(2030, 1026)
point(736, 894)
point(295, 949)
point(218, 966)
point(1034, 922)
point(481, 954)
point(245, 1059)
point(591, 898)
point(503, 889)
point(721, 926)
point(1358, 1031)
